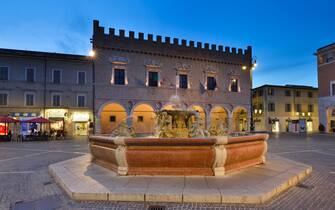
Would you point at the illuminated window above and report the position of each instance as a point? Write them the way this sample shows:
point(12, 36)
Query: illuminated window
point(211, 83)
point(3, 73)
point(3, 99)
point(153, 79)
point(234, 85)
point(271, 91)
point(81, 77)
point(183, 82)
point(30, 74)
point(119, 77)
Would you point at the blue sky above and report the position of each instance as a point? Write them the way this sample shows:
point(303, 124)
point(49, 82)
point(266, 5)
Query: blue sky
point(284, 34)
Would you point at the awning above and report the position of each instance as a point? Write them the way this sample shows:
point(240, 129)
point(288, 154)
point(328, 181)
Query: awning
point(6, 119)
point(37, 120)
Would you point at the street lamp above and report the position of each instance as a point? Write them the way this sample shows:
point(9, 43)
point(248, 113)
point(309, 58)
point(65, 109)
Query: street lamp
point(91, 53)
point(252, 67)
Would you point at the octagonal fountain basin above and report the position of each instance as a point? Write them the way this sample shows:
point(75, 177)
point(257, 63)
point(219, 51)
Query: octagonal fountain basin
point(210, 156)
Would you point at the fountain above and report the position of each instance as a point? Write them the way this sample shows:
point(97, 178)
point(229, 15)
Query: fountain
point(180, 146)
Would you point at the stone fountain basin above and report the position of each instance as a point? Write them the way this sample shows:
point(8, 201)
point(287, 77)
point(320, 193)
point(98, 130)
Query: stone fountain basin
point(211, 156)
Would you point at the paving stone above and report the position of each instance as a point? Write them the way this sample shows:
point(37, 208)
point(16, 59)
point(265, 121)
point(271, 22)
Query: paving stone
point(315, 150)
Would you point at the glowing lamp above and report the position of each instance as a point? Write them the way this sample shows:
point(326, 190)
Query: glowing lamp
point(91, 53)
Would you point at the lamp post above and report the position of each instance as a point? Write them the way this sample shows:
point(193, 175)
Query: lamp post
point(253, 66)
point(92, 56)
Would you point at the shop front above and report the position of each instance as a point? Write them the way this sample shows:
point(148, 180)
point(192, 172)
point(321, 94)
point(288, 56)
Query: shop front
point(57, 116)
point(26, 128)
point(81, 122)
point(275, 125)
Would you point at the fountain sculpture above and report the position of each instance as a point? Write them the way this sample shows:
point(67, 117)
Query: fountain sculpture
point(180, 146)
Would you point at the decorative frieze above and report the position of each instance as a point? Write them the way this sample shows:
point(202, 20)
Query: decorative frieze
point(119, 60)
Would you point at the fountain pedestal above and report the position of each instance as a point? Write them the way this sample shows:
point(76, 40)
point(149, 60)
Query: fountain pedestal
point(211, 156)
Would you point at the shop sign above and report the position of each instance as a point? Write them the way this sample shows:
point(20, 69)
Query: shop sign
point(80, 117)
point(24, 114)
point(56, 112)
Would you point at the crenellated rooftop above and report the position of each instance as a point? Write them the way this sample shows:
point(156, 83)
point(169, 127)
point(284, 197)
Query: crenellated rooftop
point(167, 46)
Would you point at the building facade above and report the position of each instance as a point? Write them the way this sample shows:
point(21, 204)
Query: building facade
point(51, 85)
point(289, 108)
point(326, 82)
point(127, 80)
point(136, 76)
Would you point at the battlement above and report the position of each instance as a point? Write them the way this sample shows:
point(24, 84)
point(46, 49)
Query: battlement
point(159, 43)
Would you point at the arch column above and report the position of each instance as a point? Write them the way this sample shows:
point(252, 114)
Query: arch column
point(97, 125)
point(230, 123)
point(208, 121)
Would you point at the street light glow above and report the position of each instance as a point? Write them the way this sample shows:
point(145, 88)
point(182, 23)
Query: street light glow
point(91, 53)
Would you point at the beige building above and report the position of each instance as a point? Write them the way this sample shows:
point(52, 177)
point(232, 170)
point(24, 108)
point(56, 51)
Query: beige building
point(136, 75)
point(326, 81)
point(289, 108)
point(52, 85)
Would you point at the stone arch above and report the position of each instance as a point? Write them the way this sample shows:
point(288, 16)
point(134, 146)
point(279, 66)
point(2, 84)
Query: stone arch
point(111, 114)
point(240, 119)
point(143, 118)
point(219, 116)
point(202, 113)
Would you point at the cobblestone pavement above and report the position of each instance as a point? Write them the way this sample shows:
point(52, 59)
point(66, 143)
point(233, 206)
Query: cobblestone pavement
point(26, 184)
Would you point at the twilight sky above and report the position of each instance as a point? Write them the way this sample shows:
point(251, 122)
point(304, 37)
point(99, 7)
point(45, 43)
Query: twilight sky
point(284, 34)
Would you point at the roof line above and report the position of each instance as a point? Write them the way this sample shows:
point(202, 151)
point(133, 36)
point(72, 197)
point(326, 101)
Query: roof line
point(287, 86)
point(43, 54)
point(321, 48)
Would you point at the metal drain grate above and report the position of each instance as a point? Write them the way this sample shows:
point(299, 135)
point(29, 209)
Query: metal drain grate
point(156, 207)
point(304, 186)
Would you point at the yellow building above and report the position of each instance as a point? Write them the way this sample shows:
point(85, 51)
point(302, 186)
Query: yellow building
point(289, 108)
